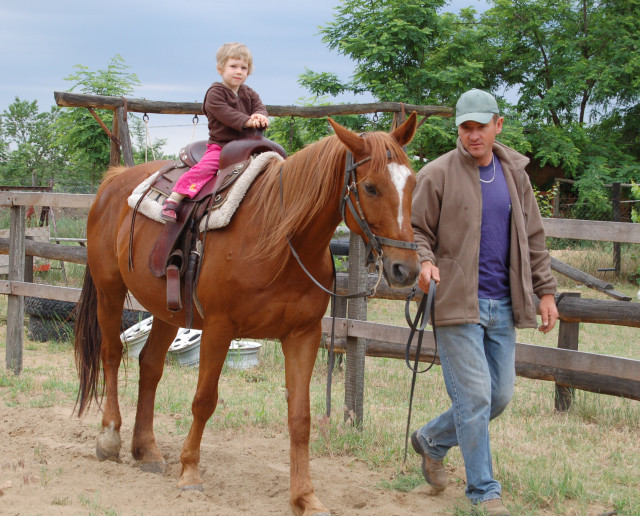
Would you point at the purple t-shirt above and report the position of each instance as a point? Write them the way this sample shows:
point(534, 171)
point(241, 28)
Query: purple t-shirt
point(493, 280)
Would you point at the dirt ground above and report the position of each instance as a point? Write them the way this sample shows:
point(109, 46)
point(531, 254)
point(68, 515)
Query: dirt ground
point(48, 466)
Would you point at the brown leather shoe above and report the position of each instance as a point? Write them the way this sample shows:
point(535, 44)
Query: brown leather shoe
point(433, 470)
point(494, 507)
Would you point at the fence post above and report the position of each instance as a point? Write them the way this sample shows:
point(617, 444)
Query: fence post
point(15, 304)
point(124, 136)
point(568, 336)
point(115, 153)
point(615, 200)
point(356, 347)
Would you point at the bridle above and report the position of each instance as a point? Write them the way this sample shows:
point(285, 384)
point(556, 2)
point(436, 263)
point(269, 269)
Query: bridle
point(351, 199)
point(374, 243)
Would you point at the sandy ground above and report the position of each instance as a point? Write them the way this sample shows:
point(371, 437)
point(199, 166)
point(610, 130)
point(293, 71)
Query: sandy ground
point(48, 466)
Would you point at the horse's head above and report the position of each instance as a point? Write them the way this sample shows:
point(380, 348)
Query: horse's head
point(377, 192)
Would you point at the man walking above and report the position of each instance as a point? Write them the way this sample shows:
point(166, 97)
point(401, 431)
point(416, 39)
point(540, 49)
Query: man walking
point(480, 236)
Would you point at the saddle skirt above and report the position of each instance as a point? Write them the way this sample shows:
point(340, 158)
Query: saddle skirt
point(225, 203)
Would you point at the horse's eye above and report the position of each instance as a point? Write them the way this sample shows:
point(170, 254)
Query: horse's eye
point(370, 189)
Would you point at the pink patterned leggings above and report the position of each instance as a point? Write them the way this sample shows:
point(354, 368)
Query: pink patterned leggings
point(192, 181)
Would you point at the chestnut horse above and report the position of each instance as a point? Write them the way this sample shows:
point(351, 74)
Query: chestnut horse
point(250, 285)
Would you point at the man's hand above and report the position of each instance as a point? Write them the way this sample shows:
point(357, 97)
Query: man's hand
point(428, 271)
point(548, 313)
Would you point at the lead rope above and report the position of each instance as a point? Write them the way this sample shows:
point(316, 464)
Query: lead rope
point(331, 357)
point(194, 121)
point(148, 144)
point(424, 315)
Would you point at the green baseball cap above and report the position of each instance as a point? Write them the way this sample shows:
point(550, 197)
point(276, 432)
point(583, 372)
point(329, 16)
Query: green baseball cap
point(476, 105)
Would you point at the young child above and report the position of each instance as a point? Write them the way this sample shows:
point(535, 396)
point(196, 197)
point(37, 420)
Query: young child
point(230, 107)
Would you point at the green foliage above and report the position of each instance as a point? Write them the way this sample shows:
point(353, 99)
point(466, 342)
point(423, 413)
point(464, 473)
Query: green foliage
point(294, 133)
point(29, 150)
point(545, 200)
point(405, 52)
point(68, 147)
point(574, 67)
point(88, 144)
point(635, 194)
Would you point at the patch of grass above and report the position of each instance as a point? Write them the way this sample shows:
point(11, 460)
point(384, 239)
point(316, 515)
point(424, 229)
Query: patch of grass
point(61, 501)
point(95, 505)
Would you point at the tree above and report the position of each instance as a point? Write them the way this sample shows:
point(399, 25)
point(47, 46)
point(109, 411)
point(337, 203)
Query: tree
point(405, 51)
point(30, 149)
point(86, 140)
point(565, 73)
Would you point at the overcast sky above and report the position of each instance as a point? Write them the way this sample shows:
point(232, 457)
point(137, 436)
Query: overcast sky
point(170, 46)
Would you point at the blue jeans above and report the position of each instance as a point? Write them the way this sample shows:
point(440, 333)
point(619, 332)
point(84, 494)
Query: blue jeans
point(478, 364)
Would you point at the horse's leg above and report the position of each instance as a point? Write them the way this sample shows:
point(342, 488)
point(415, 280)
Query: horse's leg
point(152, 356)
point(110, 303)
point(213, 349)
point(300, 350)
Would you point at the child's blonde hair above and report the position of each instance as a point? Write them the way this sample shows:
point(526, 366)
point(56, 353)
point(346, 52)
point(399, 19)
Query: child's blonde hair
point(234, 51)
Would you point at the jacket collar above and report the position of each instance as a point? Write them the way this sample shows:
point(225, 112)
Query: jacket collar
point(509, 158)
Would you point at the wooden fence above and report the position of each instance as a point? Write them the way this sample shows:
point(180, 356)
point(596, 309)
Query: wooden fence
point(565, 365)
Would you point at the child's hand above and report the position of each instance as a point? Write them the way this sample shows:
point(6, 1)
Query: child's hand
point(257, 120)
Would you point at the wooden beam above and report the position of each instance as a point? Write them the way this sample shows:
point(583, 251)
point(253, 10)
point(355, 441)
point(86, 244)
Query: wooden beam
point(69, 294)
point(54, 200)
point(592, 230)
point(65, 253)
point(587, 279)
point(65, 99)
point(125, 137)
point(586, 371)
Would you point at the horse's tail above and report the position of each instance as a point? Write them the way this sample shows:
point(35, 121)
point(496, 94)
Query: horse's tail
point(88, 340)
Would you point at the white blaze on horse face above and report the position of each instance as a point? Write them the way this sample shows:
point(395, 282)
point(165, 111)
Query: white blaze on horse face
point(399, 175)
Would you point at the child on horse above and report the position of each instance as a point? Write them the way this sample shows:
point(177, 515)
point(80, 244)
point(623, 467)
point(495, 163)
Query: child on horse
point(230, 107)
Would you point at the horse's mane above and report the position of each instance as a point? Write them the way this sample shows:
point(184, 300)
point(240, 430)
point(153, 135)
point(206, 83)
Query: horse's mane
point(110, 175)
point(293, 193)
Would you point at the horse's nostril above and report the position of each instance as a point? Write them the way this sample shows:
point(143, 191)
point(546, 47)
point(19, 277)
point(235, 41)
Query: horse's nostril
point(400, 272)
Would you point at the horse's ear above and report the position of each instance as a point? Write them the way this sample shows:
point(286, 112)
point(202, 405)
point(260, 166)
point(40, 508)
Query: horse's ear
point(404, 133)
point(349, 138)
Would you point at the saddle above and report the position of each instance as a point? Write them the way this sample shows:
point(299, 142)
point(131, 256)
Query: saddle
point(182, 239)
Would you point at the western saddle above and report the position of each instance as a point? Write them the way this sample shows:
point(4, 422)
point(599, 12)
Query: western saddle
point(182, 239)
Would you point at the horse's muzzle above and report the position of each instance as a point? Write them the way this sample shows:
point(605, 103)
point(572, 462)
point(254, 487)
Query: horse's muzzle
point(401, 273)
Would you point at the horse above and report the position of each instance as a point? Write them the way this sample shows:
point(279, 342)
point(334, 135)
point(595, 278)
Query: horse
point(252, 284)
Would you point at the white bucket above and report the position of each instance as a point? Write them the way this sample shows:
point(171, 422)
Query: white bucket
point(186, 347)
point(243, 354)
point(136, 336)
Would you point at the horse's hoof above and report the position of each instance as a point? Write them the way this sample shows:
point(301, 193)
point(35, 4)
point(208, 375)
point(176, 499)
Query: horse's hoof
point(195, 487)
point(157, 467)
point(108, 445)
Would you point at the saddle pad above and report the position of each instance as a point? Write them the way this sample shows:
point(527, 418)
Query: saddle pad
point(151, 205)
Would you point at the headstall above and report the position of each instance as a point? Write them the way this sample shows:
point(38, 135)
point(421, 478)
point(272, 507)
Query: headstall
point(351, 199)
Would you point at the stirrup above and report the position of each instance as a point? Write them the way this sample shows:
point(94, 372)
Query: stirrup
point(169, 207)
